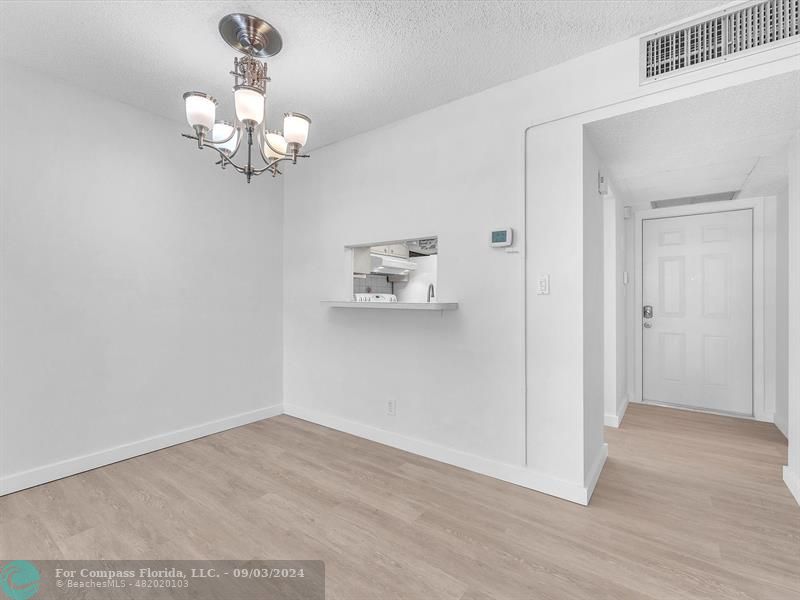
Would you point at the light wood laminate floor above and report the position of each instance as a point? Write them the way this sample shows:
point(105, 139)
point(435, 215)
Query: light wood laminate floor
point(689, 505)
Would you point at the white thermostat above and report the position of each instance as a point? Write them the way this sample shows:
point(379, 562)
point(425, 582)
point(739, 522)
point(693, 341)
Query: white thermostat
point(502, 237)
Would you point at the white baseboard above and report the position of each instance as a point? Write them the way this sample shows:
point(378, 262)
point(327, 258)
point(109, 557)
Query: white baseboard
point(65, 468)
point(515, 474)
point(594, 472)
point(624, 408)
point(764, 417)
point(782, 426)
point(610, 420)
point(792, 481)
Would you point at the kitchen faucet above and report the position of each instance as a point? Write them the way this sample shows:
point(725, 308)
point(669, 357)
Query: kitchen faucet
point(431, 292)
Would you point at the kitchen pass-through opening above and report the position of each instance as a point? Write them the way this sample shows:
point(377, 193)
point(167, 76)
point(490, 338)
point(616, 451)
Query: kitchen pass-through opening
point(398, 271)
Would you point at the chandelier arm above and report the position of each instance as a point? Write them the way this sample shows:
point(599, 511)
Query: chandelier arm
point(283, 154)
point(225, 159)
point(211, 144)
point(270, 165)
point(243, 170)
point(236, 167)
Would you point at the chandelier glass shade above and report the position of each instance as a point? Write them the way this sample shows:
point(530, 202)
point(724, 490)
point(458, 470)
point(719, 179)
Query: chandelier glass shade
point(274, 144)
point(226, 137)
point(256, 39)
point(295, 128)
point(200, 110)
point(249, 105)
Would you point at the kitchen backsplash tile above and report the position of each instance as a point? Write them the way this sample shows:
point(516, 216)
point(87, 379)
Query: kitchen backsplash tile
point(373, 284)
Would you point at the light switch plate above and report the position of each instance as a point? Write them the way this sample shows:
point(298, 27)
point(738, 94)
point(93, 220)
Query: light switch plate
point(543, 285)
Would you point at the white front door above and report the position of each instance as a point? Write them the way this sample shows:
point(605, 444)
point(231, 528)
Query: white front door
point(697, 280)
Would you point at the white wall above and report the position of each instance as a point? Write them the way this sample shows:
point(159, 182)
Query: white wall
point(471, 393)
point(791, 473)
point(632, 319)
point(592, 243)
point(769, 179)
point(623, 292)
point(456, 377)
point(617, 313)
point(781, 314)
point(141, 288)
point(555, 322)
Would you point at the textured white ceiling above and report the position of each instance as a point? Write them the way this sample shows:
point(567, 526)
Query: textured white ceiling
point(352, 66)
point(702, 145)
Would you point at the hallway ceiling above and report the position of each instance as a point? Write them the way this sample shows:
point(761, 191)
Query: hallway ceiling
point(352, 66)
point(703, 145)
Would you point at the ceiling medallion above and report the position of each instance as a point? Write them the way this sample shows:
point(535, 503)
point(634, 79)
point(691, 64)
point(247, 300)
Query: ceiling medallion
point(256, 39)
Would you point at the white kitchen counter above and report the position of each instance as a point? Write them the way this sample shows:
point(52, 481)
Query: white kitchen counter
point(392, 305)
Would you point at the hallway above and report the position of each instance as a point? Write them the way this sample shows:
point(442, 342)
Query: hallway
point(706, 488)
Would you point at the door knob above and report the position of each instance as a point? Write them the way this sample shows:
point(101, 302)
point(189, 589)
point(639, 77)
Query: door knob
point(647, 312)
point(647, 325)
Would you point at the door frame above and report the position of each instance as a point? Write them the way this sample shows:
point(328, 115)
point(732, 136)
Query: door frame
point(761, 410)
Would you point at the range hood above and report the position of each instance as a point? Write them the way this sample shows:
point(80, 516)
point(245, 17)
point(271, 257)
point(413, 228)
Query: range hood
point(391, 265)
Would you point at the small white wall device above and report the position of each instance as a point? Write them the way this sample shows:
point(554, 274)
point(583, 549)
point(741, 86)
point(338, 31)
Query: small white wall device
point(502, 238)
point(602, 184)
point(543, 285)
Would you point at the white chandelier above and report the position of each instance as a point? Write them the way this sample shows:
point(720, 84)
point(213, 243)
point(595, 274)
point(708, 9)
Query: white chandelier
point(255, 38)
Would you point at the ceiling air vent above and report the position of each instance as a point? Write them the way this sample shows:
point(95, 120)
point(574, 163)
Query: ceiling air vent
point(731, 33)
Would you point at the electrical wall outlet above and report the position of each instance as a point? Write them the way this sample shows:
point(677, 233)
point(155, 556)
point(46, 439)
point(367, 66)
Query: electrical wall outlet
point(391, 408)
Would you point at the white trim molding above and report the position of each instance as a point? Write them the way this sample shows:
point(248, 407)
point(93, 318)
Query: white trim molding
point(782, 425)
point(593, 475)
point(516, 474)
point(763, 407)
point(792, 481)
point(72, 466)
point(610, 420)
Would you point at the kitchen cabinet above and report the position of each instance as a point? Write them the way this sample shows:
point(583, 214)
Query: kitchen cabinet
point(361, 261)
point(391, 250)
point(361, 256)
